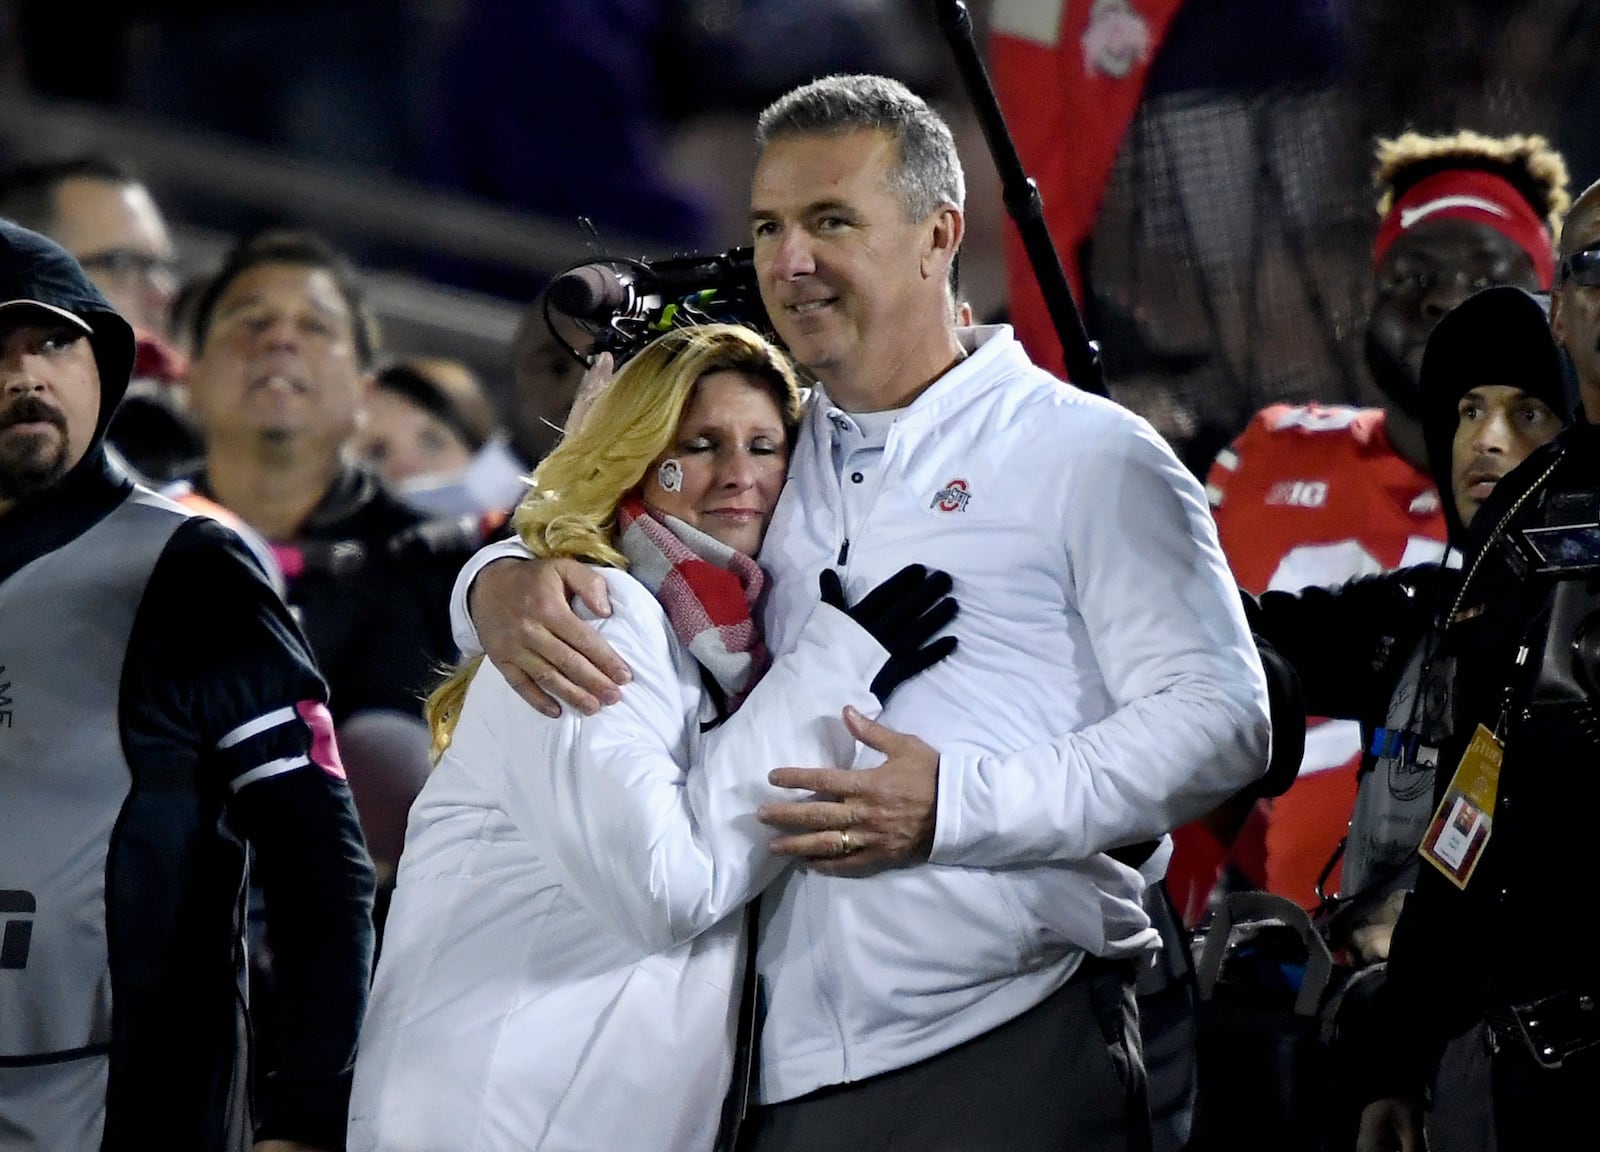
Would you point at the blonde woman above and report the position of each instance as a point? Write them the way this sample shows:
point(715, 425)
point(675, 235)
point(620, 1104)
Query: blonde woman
point(563, 956)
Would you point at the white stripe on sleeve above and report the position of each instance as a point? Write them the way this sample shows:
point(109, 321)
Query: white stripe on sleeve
point(270, 768)
point(254, 727)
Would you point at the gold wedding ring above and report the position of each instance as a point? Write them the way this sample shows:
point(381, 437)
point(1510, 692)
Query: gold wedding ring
point(845, 847)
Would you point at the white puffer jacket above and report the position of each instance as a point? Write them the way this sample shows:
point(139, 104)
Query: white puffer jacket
point(563, 956)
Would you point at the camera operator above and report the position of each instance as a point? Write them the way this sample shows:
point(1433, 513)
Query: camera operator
point(1475, 977)
point(1491, 391)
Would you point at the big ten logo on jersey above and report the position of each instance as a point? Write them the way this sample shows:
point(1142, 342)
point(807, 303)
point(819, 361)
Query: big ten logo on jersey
point(5, 699)
point(16, 926)
point(1298, 493)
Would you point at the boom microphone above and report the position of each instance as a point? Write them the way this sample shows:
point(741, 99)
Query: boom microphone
point(608, 288)
point(618, 305)
point(591, 292)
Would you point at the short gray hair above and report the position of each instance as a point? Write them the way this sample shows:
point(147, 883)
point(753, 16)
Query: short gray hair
point(929, 173)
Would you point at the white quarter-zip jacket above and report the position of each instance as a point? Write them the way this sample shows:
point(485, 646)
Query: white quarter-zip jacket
point(1104, 691)
point(562, 960)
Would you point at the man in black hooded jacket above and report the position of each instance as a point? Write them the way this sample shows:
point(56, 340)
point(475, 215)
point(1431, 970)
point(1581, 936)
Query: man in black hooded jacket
point(159, 713)
point(1488, 961)
point(1492, 392)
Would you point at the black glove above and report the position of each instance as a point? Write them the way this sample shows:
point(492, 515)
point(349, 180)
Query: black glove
point(903, 614)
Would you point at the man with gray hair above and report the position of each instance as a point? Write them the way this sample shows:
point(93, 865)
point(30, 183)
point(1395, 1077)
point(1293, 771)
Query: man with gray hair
point(948, 964)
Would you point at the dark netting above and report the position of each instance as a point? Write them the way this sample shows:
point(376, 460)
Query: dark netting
point(1230, 265)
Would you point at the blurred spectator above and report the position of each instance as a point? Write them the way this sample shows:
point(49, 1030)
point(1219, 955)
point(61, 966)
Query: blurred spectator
point(284, 347)
point(425, 416)
point(544, 381)
point(99, 210)
point(430, 432)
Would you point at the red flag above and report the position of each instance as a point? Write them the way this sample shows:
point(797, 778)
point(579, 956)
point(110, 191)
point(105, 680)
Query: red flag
point(1068, 75)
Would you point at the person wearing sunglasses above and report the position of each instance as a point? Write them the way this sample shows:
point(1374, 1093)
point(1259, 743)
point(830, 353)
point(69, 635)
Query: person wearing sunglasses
point(1575, 302)
point(1488, 940)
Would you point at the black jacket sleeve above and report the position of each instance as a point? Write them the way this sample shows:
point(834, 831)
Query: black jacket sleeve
point(1286, 704)
point(1349, 643)
point(234, 692)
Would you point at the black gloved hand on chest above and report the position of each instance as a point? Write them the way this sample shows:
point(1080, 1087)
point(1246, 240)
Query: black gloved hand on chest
point(904, 614)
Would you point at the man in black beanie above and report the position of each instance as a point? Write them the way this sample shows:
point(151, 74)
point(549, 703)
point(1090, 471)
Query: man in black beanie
point(1481, 975)
point(1492, 372)
point(1492, 392)
point(160, 718)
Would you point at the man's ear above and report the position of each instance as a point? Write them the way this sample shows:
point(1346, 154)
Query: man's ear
point(1558, 323)
point(945, 229)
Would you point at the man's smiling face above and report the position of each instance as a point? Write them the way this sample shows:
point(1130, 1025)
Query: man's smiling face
point(844, 271)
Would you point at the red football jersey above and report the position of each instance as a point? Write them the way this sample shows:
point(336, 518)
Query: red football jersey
point(1068, 78)
point(1308, 494)
point(1312, 494)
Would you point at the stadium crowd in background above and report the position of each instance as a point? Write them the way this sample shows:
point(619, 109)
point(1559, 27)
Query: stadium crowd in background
point(1208, 169)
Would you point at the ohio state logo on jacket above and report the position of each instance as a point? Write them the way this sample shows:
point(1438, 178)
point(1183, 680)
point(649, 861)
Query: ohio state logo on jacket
point(952, 497)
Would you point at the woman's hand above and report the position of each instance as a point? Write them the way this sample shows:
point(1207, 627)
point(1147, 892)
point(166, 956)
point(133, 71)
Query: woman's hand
point(903, 613)
point(522, 611)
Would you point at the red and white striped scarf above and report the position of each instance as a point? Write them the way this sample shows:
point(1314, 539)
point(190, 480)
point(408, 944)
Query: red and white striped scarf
point(708, 589)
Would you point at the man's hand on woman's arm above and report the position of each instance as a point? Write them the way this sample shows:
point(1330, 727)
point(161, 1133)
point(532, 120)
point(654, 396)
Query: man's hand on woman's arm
point(858, 821)
point(522, 611)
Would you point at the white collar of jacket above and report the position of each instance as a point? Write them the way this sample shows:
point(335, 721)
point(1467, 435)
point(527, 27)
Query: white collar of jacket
point(990, 349)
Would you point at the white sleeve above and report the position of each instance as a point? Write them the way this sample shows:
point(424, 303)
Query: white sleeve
point(1163, 614)
point(658, 852)
point(461, 626)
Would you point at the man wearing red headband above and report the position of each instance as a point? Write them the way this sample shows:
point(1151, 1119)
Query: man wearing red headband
point(1314, 494)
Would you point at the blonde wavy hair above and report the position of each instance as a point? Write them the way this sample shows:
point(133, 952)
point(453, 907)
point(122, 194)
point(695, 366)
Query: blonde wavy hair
point(570, 509)
point(1533, 168)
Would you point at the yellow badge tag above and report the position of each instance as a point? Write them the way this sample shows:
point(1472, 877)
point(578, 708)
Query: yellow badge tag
point(1460, 828)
